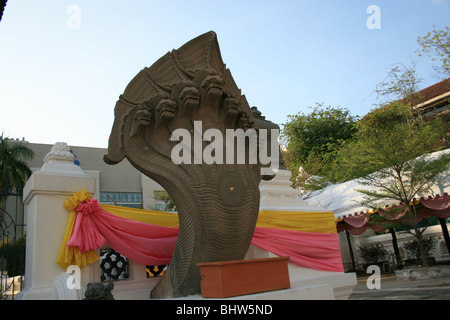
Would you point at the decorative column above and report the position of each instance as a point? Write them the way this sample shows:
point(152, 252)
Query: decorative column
point(278, 195)
point(44, 196)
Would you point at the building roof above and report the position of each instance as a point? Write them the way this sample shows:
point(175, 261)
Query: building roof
point(430, 93)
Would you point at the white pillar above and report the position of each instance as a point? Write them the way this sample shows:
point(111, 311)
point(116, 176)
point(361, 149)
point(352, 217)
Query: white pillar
point(44, 196)
point(278, 195)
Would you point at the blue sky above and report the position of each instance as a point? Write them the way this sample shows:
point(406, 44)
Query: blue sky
point(59, 83)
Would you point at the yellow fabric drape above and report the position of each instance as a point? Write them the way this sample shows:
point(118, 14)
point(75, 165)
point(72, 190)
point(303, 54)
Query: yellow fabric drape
point(317, 222)
point(72, 255)
point(160, 218)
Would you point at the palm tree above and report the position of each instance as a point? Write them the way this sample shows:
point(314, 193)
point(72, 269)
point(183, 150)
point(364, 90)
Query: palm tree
point(14, 171)
point(2, 7)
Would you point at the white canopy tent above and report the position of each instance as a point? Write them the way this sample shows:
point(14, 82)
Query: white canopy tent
point(344, 199)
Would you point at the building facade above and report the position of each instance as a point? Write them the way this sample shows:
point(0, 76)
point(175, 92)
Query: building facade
point(119, 184)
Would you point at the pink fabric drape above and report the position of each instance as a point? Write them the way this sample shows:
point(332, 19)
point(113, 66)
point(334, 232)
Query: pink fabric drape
point(154, 245)
point(318, 251)
point(141, 242)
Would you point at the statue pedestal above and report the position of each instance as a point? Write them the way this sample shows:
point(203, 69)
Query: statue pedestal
point(240, 277)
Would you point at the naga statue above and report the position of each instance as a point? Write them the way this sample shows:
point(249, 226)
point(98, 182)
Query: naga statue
point(191, 89)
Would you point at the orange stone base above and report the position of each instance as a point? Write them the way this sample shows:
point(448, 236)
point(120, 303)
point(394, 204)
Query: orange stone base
point(240, 277)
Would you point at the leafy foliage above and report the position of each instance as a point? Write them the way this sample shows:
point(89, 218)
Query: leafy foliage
point(164, 196)
point(373, 252)
point(436, 44)
point(12, 256)
point(13, 168)
point(387, 149)
point(389, 152)
point(401, 82)
point(14, 171)
point(314, 139)
point(389, 155)
point(412, 247)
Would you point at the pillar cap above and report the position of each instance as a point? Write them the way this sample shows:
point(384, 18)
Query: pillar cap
point(60, 161)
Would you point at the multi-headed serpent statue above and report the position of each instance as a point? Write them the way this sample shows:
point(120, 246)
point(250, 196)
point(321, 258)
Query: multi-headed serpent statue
point(217, 203)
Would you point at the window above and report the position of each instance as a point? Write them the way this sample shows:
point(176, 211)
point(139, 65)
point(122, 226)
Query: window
point(124, 199)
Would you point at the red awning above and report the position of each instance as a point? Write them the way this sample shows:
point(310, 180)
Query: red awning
point(357, 223)
point(394, 212)
point(437, 203)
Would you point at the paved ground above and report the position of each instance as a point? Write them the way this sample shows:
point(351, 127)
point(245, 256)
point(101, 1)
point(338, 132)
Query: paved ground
point(393, 289)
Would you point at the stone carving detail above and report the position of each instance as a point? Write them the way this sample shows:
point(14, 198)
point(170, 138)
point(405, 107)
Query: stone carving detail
point(99, 291)
point(59, 151)
point(217, 203)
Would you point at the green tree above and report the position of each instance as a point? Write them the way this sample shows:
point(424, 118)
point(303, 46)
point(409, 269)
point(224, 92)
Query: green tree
point(313, 139)
point(164, 196)
point(412, 247)
point(15, 251)
point(436, 44)
point(401, 83)
point(14, 170)
point(389, 154)
point(373, 252)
